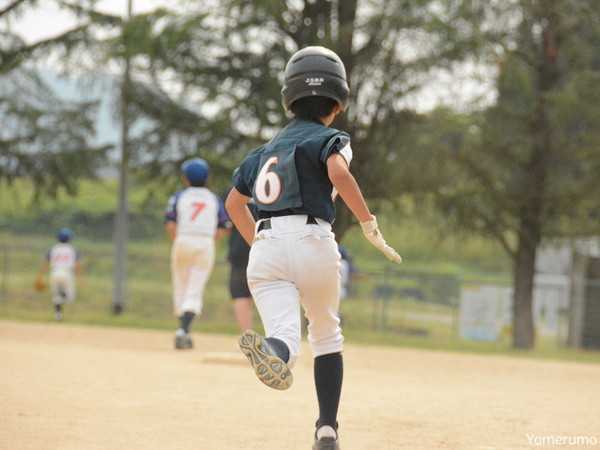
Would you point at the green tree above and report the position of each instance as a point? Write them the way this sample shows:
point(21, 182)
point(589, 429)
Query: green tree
point(208, 80)
point(526, 168)
point(44, 137)
point(112, 51)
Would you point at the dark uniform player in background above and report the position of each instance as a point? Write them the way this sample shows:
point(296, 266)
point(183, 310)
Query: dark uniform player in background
point(238, 282)
point(294, 258)
point(347, 270)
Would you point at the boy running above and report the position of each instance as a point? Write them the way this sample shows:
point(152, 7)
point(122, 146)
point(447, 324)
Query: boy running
point(294, 258)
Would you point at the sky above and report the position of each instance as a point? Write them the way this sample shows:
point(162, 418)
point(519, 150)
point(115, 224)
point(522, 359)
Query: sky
point(47, 20)
point(457, 89)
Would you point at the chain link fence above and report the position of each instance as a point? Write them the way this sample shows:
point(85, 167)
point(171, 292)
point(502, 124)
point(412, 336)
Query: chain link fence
point(148, 289)
point(388, 302)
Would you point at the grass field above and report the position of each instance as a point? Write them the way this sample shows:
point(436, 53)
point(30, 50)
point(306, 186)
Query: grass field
point(410, 323)
point(415, 230)
point(431, 262)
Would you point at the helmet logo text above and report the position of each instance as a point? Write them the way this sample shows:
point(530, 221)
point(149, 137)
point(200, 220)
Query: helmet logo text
point(314, 81)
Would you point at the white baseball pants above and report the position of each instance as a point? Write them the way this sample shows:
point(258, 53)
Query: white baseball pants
point(192, 261)
point(295, 264)
point(62, 286)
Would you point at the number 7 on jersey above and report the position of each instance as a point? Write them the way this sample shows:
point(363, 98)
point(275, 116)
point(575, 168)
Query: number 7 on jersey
point(198, 207)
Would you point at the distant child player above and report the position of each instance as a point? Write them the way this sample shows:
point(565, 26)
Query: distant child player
point(62, 261)
point(192, 220)
point(294, 259)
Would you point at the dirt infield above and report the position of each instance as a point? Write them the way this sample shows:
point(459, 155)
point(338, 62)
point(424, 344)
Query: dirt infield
point(67, 387)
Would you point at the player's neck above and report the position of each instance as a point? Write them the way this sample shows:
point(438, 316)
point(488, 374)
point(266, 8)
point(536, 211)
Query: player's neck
point(318, 120)
point(327, 120)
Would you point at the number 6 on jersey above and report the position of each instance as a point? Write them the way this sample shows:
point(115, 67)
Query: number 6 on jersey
point(268, 183)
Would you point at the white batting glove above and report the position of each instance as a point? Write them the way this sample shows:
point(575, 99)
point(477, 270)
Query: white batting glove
point(371, 231)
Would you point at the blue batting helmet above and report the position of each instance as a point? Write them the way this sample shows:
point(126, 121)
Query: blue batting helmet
point(195, 171)
point(64, 235)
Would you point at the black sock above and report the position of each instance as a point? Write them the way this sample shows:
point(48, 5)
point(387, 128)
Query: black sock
point(186, 320)
point(58, 308)
point(281, 349)
point(329, 372)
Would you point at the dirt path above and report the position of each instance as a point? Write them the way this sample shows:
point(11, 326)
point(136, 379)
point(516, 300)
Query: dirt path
point(67, 387)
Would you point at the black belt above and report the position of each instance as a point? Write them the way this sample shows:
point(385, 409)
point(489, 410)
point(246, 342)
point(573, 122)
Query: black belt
point(265, 224)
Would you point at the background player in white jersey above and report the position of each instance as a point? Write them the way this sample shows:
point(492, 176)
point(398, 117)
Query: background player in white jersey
point(294, 258)
point(62, 261)
point(192, 220)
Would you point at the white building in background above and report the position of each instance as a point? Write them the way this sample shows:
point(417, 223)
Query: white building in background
point(486, 309)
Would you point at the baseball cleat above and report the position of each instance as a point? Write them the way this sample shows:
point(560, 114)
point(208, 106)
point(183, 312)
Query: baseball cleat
point(183, 342)
point(326, 442)
point(269, 368)
point(58, 316)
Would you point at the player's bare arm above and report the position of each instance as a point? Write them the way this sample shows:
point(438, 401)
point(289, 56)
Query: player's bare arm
point(240, 214)
point(348, 189)
point(171, 229)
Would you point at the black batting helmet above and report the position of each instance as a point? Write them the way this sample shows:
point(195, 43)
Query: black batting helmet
point(315, 71)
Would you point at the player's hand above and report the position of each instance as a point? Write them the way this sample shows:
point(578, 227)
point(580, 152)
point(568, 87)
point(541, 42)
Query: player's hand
point(371, 231)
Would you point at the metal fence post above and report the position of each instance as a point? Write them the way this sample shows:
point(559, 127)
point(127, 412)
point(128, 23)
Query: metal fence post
point(577, 301)
point(4, 273)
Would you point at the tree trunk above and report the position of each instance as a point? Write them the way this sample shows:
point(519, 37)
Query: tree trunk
point(523, 282)
point(121, 233)
point(346, 28)
point(577, 299)
point(346, 16)
point(534, 200)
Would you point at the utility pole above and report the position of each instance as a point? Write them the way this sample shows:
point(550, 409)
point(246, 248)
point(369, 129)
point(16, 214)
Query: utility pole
point(121, 233)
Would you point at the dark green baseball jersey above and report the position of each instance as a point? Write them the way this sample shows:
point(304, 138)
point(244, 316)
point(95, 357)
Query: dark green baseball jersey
point(288, 175)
